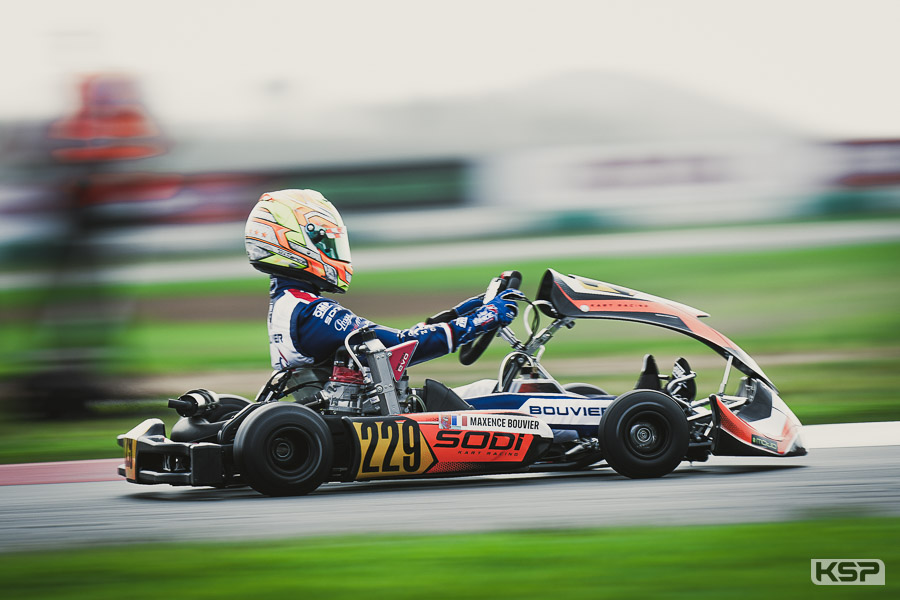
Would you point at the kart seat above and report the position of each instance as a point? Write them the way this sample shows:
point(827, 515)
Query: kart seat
point(682, 384)
point(438, 398)
point(649, 377)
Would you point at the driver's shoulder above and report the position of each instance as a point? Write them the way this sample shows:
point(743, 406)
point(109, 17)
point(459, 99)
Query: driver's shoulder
point(294, 303)
point(294, 293)
point(300, 296)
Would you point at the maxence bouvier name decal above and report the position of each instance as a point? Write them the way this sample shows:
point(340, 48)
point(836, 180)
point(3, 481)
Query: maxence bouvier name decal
point(484, 437)
point(509, 423)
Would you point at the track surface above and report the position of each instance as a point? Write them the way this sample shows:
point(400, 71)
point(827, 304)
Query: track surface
point(849, 481)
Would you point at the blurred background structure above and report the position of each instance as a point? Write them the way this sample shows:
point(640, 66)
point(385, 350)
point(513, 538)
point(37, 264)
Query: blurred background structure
point(127, 139)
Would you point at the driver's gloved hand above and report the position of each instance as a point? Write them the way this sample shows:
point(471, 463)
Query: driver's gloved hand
point(463, 308)
point(507, 300)
point(499, 312)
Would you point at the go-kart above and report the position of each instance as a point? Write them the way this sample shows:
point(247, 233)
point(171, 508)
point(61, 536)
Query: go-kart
point(369, 423)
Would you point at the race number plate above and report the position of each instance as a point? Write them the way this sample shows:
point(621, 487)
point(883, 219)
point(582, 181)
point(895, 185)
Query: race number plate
point(391, 447)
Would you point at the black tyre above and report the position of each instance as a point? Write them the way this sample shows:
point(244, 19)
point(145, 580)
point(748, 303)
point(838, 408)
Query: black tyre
point(284, 449)
point(585, 389)
point(644, 433)
point(229, 405)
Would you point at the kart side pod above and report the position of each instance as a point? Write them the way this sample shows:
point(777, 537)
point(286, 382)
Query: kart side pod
point(287, 449)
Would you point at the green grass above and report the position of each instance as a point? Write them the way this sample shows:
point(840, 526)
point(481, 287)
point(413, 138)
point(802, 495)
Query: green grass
point(733, 561)
point(866, 390)
point(838, 392)
point(80, 439)
point(686, 277)
point(161, 347)
point(769, 302)
point(842, 297)
point(851, 390)
point(838, 305)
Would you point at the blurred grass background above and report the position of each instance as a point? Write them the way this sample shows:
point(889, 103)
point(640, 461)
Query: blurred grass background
point(822, 322)
point(728, 561)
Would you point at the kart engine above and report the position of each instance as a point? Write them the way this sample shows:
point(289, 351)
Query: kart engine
point(364, 382)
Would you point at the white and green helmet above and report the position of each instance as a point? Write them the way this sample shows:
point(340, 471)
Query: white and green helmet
point(299, 234)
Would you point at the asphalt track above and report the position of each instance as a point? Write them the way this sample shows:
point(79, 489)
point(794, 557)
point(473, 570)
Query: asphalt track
point(854, 480)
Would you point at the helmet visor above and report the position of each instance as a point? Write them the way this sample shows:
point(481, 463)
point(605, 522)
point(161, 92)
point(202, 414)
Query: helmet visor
point(333, 242)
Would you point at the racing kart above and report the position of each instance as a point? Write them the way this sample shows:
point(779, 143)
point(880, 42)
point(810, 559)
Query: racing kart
point(368, 422)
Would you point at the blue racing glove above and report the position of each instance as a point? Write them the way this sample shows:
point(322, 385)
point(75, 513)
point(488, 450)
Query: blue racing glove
point(499, 312)
point(463, 308)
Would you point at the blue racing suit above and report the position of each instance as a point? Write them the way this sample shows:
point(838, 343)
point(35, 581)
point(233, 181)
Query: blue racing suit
point(306, 329)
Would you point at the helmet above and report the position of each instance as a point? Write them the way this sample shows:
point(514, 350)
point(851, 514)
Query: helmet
point(299, 234)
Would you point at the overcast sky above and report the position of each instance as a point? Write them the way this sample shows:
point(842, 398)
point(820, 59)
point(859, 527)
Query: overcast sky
point(829, 67)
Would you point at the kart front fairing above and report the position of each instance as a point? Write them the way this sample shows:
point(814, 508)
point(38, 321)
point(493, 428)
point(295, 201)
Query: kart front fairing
point(755, 422)
point(582, 298)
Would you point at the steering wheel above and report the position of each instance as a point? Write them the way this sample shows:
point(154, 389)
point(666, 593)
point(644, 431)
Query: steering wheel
point(469, 353)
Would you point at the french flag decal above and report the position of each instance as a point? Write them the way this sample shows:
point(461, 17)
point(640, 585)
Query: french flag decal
point(458, 421)
point(452, 421)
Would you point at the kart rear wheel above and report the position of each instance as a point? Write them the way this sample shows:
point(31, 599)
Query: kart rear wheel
point(643, 434)
point(284, 449)
point(229, 405)
point(206, 427)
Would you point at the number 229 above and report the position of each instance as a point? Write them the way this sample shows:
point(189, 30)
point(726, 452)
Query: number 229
point(384, 438)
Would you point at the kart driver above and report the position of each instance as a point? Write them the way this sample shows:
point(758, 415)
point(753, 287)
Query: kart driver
point(298, 238)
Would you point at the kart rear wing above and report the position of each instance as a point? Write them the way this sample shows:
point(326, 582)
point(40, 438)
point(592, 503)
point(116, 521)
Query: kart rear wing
point(582, 298)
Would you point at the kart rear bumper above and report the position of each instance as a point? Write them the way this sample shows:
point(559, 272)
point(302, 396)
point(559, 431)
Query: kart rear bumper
point(151, 458)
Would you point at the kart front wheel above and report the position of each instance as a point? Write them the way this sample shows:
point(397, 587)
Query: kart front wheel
point(643, 434)
point(283, 449)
